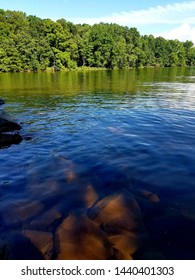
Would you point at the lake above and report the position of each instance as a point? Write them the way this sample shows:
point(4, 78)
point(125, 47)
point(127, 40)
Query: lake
point(107, 170)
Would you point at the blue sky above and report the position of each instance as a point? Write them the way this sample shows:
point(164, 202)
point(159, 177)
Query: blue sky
point(172, 19)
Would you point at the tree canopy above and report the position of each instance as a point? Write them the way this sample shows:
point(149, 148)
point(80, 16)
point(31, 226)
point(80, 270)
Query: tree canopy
point(32, 43)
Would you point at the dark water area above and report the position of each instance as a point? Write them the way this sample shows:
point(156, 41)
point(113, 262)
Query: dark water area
point(108, 170)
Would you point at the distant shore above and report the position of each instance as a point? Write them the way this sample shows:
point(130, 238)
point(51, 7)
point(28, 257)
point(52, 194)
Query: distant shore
point(87, 68)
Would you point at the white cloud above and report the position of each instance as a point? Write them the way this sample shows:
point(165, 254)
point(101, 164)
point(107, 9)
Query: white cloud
point(176, 13)
point(182, 33)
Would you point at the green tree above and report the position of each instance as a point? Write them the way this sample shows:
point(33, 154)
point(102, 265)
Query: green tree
point(32, 43)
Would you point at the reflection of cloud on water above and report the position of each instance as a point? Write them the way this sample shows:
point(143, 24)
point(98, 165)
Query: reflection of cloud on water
point(169, 95)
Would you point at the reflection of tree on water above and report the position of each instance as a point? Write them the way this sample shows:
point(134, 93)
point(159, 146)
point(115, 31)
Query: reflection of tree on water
point(80, 215)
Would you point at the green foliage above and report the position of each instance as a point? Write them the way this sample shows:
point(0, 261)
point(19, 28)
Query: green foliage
point(31, 43)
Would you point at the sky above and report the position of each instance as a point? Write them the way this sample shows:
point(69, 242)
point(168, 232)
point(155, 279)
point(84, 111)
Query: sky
point(171, 19)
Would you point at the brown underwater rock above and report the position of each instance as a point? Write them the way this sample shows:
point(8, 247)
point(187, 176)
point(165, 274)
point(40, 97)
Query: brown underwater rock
point(20, 211)
point(117, 211)
point(150, 196)
point(78, 238)
point(20, 247)
point(90, 196)
point(46, 219)
point(120, 217)
point(43, 241)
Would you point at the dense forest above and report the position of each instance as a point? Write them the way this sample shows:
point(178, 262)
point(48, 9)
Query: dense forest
point(32, 43)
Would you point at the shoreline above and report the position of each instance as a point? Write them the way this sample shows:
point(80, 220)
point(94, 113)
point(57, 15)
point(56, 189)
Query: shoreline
point(88, 69)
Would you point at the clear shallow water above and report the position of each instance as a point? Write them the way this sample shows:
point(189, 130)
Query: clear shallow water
point(98, 135)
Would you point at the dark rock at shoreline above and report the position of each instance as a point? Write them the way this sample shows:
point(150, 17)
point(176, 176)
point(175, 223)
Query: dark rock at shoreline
point(2, 101)
point(8, 126)
point(9, 139)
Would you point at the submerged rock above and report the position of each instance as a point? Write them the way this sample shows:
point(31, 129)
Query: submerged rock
point(117, 211)
point(2, 249)
point(45, 220)
point(113, 229)
point(90, 196)
point(20, 211)
point(120, 217)
point(79, 238)
point(43, 241)
point(150, 196)
point(20, 247)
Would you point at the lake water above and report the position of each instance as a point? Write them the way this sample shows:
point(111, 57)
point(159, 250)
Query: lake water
point(110, 160)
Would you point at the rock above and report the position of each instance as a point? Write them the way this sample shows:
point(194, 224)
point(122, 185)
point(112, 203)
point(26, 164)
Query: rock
point(3, 246)
point(127, 243)
point(8, 139)
point(149, 202)
point(43, 241)
point(20, 211)
point(90, 196)
point(45, 189)
point(117, 211)
point(152, 197)
point(79, 238)
point(47, 219)
point(8, 126)
point(2, 101)
point(20, 247)
point(120, 217)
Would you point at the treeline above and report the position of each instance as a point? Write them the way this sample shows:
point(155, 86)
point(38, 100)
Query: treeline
point(32, 43)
